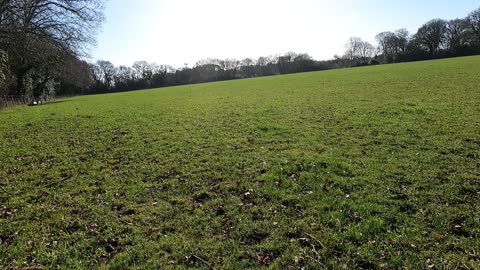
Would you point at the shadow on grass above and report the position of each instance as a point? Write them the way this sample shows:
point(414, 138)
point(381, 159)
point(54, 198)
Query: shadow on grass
point(54, 102)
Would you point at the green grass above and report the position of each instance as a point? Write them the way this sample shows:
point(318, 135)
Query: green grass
point(375, 167)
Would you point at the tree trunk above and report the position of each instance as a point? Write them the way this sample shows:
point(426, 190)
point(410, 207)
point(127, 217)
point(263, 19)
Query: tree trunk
point(21, 87)
point(21, 78)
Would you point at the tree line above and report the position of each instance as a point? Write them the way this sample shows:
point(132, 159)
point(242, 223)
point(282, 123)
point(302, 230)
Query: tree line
point(435, 39)
point(142, 74)
point(42, 41)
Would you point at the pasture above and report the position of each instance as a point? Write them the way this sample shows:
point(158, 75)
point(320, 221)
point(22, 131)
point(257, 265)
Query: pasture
point(372, 167)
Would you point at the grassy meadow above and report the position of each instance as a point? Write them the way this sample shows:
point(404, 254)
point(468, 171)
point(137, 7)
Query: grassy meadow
point(374, 167)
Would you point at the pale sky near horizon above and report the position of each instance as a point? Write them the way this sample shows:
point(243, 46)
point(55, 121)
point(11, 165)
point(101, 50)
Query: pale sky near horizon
point(184, 31)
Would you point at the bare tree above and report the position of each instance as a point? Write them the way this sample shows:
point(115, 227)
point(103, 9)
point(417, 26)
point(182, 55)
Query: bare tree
point(70, 25)
point(474, 21)
point(142, 70)
point(432, 35)
point(284, 62)
point(359, 51)
point(366, 51)
point(230, 67)
point(402, 39)
point(160, 75)
point(106, 71)
point(353, 48)
point(262, 61)
point(303, 62)
point(74, 77)
point(33, 32)
point(393, 44)
point(247, 67)
point(386, 43)
point(456, 34)
point(124, 77)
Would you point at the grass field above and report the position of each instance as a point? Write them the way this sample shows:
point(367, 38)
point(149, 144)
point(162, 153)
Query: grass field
point(374, 167)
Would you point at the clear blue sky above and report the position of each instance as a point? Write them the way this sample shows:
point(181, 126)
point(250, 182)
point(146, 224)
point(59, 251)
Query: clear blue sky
point(183, 31)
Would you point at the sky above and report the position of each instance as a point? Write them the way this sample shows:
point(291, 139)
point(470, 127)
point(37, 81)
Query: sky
point(179, 32)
